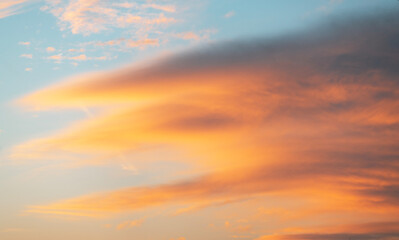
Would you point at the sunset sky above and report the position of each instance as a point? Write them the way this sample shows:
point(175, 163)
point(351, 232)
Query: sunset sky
point(199, 120)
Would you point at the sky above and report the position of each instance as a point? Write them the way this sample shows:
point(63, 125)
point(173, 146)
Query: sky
point(192, 120)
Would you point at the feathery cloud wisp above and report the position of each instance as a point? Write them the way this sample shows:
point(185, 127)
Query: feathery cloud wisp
point(11, 7)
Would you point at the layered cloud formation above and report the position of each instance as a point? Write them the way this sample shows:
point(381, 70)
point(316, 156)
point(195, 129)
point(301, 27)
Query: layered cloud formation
point(93, 16)
point(310, 116)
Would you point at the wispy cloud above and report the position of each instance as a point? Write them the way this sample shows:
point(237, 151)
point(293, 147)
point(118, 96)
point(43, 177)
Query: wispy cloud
point(129, 224)
point(11, 7)
point(142, 43)
point(24, 43)
point(166, 8)
point(81, 57)
point(30, 56)
point(93, 16)
point(196, 36)
point(229, 14)
point(50, 49)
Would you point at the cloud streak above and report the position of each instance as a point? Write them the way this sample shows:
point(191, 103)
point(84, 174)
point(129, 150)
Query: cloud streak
point(11, 7)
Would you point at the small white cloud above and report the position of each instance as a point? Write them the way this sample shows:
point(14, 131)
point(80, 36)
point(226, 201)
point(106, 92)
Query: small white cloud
point(76, 50)
point(24, 43)
point(229, 14)
point(30, 56)
point(201, 35)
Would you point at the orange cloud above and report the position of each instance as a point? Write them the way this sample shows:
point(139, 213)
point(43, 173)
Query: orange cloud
point(81, 57)
point(142, 43)
point(369, 230)
point(10, 7)
point(50, 49)
point(313, 117)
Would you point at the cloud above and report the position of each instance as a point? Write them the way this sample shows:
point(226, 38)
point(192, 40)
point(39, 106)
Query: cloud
point(142, 43)
point(50, 49)
point(28, 69)
point(196, 36)
point(368, 230)
point(165, 8)
point(81, 57)
point(56, 57)
point(94, 16)
point(129, 224)
point(188, 36)
point(76, 50)
point(123, 43)
point(326, 8)
point(309, 117)
point(24, 43)
point(11, 7)
point(30, 56)
point(229, 14)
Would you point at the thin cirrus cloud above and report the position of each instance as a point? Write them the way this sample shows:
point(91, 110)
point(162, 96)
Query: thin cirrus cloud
point(81, 57)
point(229, 14)
point(30, 56)
point(129, 224)
point(11, 7)
point(196, 36)
point(24, 43)
point(128, 43)
point(308, 115)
